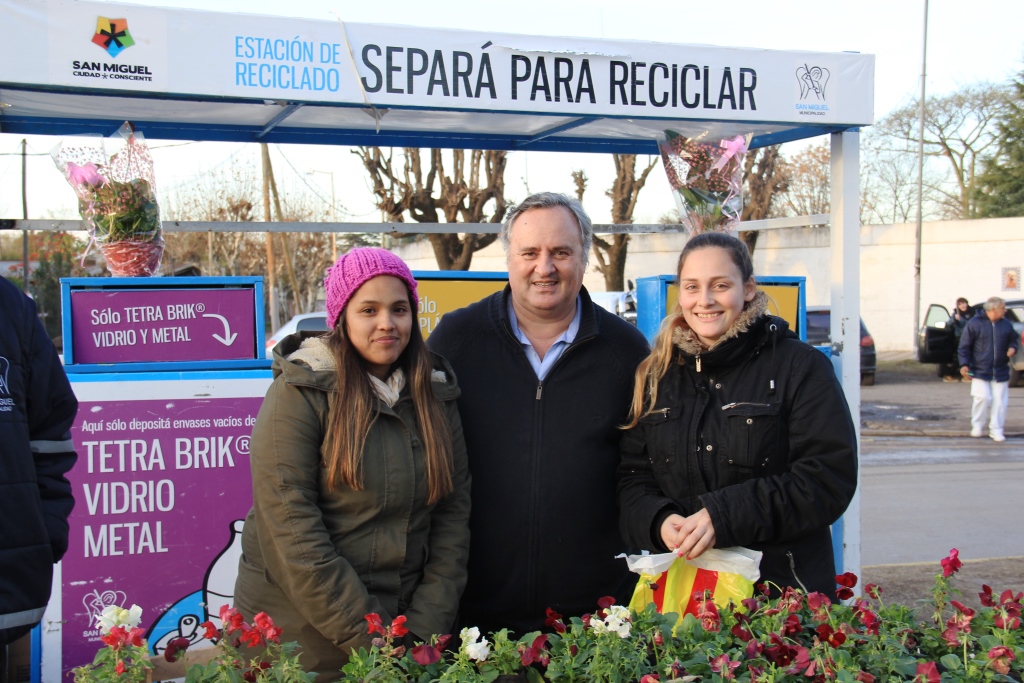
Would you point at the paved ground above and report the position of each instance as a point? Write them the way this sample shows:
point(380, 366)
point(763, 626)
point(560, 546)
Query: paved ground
point(925, 482)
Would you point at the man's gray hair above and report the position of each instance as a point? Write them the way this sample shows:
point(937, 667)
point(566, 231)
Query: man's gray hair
point(543, 200)
point(994, 302)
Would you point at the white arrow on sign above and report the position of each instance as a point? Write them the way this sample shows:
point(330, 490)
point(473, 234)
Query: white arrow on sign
point(228, 337)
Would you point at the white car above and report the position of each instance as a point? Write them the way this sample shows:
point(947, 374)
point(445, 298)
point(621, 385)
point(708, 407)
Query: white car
point(303, 321)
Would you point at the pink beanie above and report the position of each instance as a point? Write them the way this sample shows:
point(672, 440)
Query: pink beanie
point(355, 268)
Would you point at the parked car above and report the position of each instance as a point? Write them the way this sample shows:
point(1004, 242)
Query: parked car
point(819, 333)
point(299, 323)
point(622, 304)
point(935, 338)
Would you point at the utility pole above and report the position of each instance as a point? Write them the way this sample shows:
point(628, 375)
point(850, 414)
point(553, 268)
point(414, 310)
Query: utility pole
point(24, 214)
point(271, 268)
point(920, 180)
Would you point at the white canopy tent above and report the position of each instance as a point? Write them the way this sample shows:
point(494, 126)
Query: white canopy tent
point(79, 67)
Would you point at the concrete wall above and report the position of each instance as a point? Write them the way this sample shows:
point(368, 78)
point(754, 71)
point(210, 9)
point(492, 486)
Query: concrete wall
point(958, 258)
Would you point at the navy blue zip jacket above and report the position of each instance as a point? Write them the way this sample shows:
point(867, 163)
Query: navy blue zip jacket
point(983, 347)
point(543, 455)
point(37, 408)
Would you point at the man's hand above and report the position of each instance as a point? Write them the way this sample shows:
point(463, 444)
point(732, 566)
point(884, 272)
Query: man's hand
point(1010, 351)
point(696, 535)
point(963, 371)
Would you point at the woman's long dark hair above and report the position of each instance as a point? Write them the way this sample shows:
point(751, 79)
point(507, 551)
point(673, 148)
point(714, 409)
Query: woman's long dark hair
point(355, 409)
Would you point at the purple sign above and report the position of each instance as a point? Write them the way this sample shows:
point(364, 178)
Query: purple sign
point(161, 490)
point(134, 326)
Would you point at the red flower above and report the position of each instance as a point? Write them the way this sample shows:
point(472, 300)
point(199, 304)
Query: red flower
point(986, 596)
point(606, 602)
point(554, 620)
point(115, 638)
point(741, 633)
point(818, 603)
point(266, 627)
point(753, 650)
point(397, 628)
point(829, 635)
point(175, 648)
point(120, 668)
point(1000, 658)
point(535, 652)
point(211, 631)
point(375, 625)
point(864, 677)
point(232, 620)
point(135, 637)
point(873, 590)
point(251, 637)
point(927, 672)
point(425, 655)
point(869, 619)
point(709, 617)
point(847, 580)
point(791, 626)
point(677, 669)
point(792, 600)
point(650, 678)
point(951, 564)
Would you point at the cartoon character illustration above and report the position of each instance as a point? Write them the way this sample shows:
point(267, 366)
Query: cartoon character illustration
point(95, 602)
point(183, 618)
point(813, 79)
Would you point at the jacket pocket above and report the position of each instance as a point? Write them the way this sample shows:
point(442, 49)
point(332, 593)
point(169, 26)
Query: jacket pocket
point(752, 441)
point(662, 428)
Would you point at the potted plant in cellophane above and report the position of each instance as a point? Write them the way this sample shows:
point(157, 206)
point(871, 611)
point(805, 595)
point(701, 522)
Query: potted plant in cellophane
point(114, 182)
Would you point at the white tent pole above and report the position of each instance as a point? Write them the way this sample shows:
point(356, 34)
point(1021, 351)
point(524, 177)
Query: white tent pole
point(845, 318)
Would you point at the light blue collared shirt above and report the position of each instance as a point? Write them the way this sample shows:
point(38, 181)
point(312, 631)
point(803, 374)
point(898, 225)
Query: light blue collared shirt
point(542, 367)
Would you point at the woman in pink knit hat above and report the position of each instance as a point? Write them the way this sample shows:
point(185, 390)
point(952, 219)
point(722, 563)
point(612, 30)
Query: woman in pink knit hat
point(360, 478)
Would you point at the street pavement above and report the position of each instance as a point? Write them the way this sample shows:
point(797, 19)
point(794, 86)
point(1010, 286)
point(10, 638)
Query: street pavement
point(927, 486)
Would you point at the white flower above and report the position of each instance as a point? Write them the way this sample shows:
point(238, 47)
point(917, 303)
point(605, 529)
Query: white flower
point(114, 615)
point(470, 635)
point(478, 651)
point(598, 626)
point(623, 629)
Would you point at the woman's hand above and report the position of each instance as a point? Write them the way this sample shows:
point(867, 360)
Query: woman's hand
point(670, 531)
point(695, 535)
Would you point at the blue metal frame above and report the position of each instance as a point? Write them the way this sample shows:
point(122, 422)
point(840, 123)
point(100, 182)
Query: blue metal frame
point(120, 375)
point(255, 283)
point(540, 142)
point(459, 275)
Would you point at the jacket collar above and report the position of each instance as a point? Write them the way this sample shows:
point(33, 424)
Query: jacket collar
point(589, 324)
point(686, 341)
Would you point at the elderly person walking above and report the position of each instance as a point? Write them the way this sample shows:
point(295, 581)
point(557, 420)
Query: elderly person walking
point(986, 346)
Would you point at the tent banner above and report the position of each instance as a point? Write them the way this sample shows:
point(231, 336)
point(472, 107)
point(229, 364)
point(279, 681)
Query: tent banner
point(112, 47)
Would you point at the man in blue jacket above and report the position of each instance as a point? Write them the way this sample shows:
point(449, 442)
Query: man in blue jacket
point(986, 346)
point(37, 408)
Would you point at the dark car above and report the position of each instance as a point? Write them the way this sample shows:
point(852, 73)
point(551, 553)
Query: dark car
point(935, 338)
point(819, 333)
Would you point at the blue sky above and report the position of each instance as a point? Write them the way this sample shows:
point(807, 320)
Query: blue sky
point(980, 40)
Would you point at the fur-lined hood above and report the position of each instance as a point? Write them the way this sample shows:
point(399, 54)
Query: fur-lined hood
point(686, 341)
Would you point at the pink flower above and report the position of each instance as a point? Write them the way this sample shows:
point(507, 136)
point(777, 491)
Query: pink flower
point(85, 175)
point(927, 672)
point(266, 627)
point(232, 619)
point(709, 617)
point(1000, 658)
point(951, 564)
point(723, 666)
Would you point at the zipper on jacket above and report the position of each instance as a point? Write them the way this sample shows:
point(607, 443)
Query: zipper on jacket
point(696, 361)
point(792, 568)
point(730, 406)
point(540, 388)
point(664, 412)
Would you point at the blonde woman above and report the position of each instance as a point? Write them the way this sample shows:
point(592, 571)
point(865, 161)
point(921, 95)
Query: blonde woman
point(739, 433)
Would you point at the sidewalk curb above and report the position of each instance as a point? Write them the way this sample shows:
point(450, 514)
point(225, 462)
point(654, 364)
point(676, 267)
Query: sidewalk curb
point(920, 433)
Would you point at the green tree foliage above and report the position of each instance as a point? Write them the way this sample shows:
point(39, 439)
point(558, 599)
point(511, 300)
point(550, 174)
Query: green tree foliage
point(1001, 183)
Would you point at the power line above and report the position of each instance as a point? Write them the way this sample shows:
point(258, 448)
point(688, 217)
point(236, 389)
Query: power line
point(305, 182)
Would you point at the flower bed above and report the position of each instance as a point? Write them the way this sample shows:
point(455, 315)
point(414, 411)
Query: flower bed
point(793, 638)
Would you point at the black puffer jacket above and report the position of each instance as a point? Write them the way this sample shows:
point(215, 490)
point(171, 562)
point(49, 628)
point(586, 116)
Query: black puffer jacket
point(773, 466)
point(543, 457)
point(37, 408)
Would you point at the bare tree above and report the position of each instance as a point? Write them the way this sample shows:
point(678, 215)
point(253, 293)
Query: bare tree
point(959, 127)
point(610, 253)
point(765, 178)
point(809, 190)
point(474, 192)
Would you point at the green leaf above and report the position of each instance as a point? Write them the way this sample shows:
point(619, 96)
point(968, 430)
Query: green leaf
point(533, 676)
point(951, 662)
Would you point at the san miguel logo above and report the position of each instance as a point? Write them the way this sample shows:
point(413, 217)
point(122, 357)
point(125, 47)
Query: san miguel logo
point(812, 81)
point(112, 35)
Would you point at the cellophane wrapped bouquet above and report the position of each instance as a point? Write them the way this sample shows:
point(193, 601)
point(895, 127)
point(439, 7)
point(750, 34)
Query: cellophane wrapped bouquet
point(706, 175)
point(114, 181)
